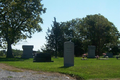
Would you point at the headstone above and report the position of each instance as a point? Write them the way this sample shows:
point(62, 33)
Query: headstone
point(91, 51)
point(110, 55)
point(68, 54)
point(27, 51)
point(118, 57)
point(42, 57)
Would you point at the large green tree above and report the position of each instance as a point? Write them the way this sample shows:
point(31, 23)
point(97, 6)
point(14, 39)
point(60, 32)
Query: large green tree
point(64, 31)
point(19, 19)
point(98, 31)
point(71, 33)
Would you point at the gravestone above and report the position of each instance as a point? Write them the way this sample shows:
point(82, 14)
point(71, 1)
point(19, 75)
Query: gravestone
point(91, 51)
point(42, 57)
point(27, 51)
point(68, 54)
point(110, 55)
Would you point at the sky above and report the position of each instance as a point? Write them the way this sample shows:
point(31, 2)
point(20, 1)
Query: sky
point(66, 10)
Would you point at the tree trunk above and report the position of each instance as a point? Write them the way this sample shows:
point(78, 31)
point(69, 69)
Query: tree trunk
point(9, 50)
point(56, 49)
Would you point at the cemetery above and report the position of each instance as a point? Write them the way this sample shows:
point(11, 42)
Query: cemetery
point(87, 69)
point(82, 67)
point(87, 66)
point(85, 48)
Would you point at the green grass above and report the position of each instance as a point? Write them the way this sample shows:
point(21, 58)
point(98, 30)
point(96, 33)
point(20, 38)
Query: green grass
point(87, 69)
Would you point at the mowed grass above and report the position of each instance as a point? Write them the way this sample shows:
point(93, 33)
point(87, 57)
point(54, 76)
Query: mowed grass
point(86, 69)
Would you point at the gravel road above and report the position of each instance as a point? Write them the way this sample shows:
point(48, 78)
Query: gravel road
point(11, 73)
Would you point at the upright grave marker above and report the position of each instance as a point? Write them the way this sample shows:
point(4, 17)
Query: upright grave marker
point(110, 55)
point(91, 51)
point(27, 51)
point(68, 54)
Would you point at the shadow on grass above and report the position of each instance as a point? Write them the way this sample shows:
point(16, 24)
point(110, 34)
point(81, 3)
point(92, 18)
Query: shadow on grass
point(65, 67)
point(72, 75)
point(12, 59)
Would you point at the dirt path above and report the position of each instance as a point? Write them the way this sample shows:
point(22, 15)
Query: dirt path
point(12, 73)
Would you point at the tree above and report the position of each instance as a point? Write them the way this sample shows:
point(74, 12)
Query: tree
point(64, 31)
point(54, 39)
point(71, 33)
point(19, 20)
point(98, 31)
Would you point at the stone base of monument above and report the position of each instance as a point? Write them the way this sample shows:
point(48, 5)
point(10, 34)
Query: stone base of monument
point(26, 57)
point(42, 57)
point(84, 59)
point(103, 58)
point(91, 57)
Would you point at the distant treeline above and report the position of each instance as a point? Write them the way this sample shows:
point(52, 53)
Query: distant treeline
point(15, 52)
point(91, 30)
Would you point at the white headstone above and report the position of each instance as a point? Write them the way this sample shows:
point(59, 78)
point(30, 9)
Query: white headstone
point(91, 51)
point(68, 54)
point(27, 51)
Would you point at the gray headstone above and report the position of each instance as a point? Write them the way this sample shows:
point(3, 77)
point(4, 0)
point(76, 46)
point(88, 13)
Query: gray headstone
point(68, 54)
point(110, 55)
point(91, 51)
point(27, 51)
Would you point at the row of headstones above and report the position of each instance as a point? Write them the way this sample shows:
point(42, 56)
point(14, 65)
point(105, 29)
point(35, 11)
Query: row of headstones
point(68, 53)
point(41, 57)
point(91, 52)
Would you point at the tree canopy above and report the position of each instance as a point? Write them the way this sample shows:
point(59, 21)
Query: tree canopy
point(19, 19)
point(98, 31)
point(54, 39)
point(91, 30)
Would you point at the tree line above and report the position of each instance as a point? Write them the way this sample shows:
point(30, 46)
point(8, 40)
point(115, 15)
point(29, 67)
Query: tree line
point(91, 30)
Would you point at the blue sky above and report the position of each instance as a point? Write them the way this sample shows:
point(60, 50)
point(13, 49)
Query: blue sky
point(65, 10)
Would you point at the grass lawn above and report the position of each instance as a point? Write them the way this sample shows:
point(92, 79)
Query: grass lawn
point(86, 69)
